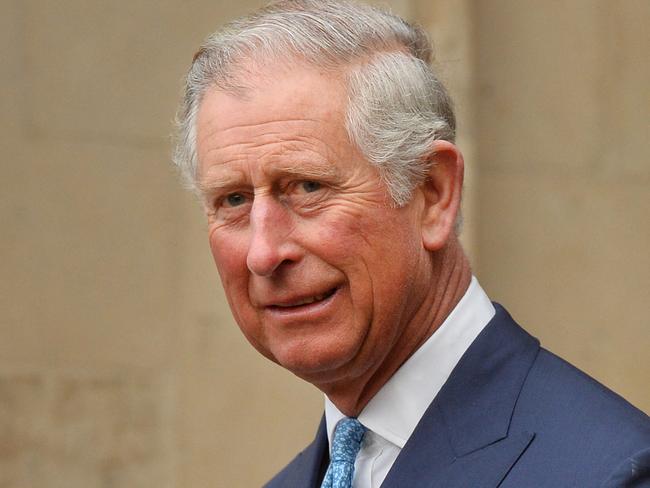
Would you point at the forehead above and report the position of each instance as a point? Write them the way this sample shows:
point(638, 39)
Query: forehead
point(302, 102)
point(289, 88)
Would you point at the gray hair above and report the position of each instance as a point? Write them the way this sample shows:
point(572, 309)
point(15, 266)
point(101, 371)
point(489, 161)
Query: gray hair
point(397, 106)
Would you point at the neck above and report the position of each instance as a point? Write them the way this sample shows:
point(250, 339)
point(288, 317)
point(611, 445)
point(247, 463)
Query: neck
point(451, 278)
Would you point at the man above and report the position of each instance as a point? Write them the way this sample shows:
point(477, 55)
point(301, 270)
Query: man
point(322, 146)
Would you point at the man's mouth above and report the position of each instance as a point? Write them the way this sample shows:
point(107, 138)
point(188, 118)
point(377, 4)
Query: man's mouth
point(305, 301)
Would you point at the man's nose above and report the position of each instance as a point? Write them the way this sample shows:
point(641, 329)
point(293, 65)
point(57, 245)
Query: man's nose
point(271, 243)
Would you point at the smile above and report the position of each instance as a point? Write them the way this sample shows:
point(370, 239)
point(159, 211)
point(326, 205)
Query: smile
point(304, 301)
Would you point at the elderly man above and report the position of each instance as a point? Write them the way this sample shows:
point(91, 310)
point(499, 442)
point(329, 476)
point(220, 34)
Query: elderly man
point(322, 146)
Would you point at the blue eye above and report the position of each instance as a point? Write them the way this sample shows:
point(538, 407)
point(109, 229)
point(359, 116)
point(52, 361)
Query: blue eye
point(311, 186)
point(235, 199)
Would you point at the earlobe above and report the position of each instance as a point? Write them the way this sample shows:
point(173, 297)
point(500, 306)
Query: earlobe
point(442, 191)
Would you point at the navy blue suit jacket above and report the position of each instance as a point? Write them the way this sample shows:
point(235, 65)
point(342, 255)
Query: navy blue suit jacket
point(510, 415)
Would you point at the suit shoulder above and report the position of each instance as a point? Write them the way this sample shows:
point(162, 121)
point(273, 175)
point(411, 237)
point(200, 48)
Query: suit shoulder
point(558, 393)
point(584, 432)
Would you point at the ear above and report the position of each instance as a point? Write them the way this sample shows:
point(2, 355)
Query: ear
point(442, 191)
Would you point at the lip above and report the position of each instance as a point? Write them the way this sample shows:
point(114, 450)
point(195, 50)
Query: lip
point(307, 311)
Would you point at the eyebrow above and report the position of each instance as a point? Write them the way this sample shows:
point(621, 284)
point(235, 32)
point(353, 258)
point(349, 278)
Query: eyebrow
point(213, 184)
point(305, 170)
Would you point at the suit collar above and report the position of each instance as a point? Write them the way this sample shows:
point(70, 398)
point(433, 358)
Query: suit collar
point(465, 430)
point(486, 384)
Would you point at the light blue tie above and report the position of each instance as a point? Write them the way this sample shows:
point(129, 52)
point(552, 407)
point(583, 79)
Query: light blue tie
point(345, 446)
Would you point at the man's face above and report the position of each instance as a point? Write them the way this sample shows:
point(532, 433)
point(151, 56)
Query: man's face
point(322, 275)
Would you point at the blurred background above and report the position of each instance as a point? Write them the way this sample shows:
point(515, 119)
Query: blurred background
point(120, 365)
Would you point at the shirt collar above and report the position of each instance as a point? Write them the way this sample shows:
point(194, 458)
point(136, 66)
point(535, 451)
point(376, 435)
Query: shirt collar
point(396, 409)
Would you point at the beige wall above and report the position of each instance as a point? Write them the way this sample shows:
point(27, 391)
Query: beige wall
point(563, 228)
point(119, 362)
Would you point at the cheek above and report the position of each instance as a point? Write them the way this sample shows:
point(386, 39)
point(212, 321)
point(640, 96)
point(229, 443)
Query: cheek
point(345, 238)
point(380, 253)
point(229, 255)
point(377, 239)
point(369, 250)
point(230, 258)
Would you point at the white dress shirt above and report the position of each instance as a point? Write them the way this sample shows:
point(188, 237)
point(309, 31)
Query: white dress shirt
point(393, 413)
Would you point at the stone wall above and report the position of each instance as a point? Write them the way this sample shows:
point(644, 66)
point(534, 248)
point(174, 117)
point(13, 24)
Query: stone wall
point(120, 365)
point(563, 233)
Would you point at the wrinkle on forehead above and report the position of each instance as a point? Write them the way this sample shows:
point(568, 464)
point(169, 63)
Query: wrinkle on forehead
point(304, 151)
point(254, 136)
point(260, 125)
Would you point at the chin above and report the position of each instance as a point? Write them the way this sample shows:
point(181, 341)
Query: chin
point(316, 364)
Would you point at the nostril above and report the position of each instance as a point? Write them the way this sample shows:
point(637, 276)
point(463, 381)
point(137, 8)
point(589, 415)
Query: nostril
point(265, 260)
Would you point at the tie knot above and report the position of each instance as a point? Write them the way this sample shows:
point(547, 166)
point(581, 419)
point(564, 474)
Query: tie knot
point(347, 440)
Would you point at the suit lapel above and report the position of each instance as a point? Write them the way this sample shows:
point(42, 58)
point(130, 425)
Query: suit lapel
point(486, 467)
point(463, 438)
point(316, 459)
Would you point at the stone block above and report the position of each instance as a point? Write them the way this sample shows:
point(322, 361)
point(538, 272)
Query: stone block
point(538, 72)
point(112, 70)
point(625, 89)
point(107, 431)
point(66, 431)
point(90, 255)
point(23, 429)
